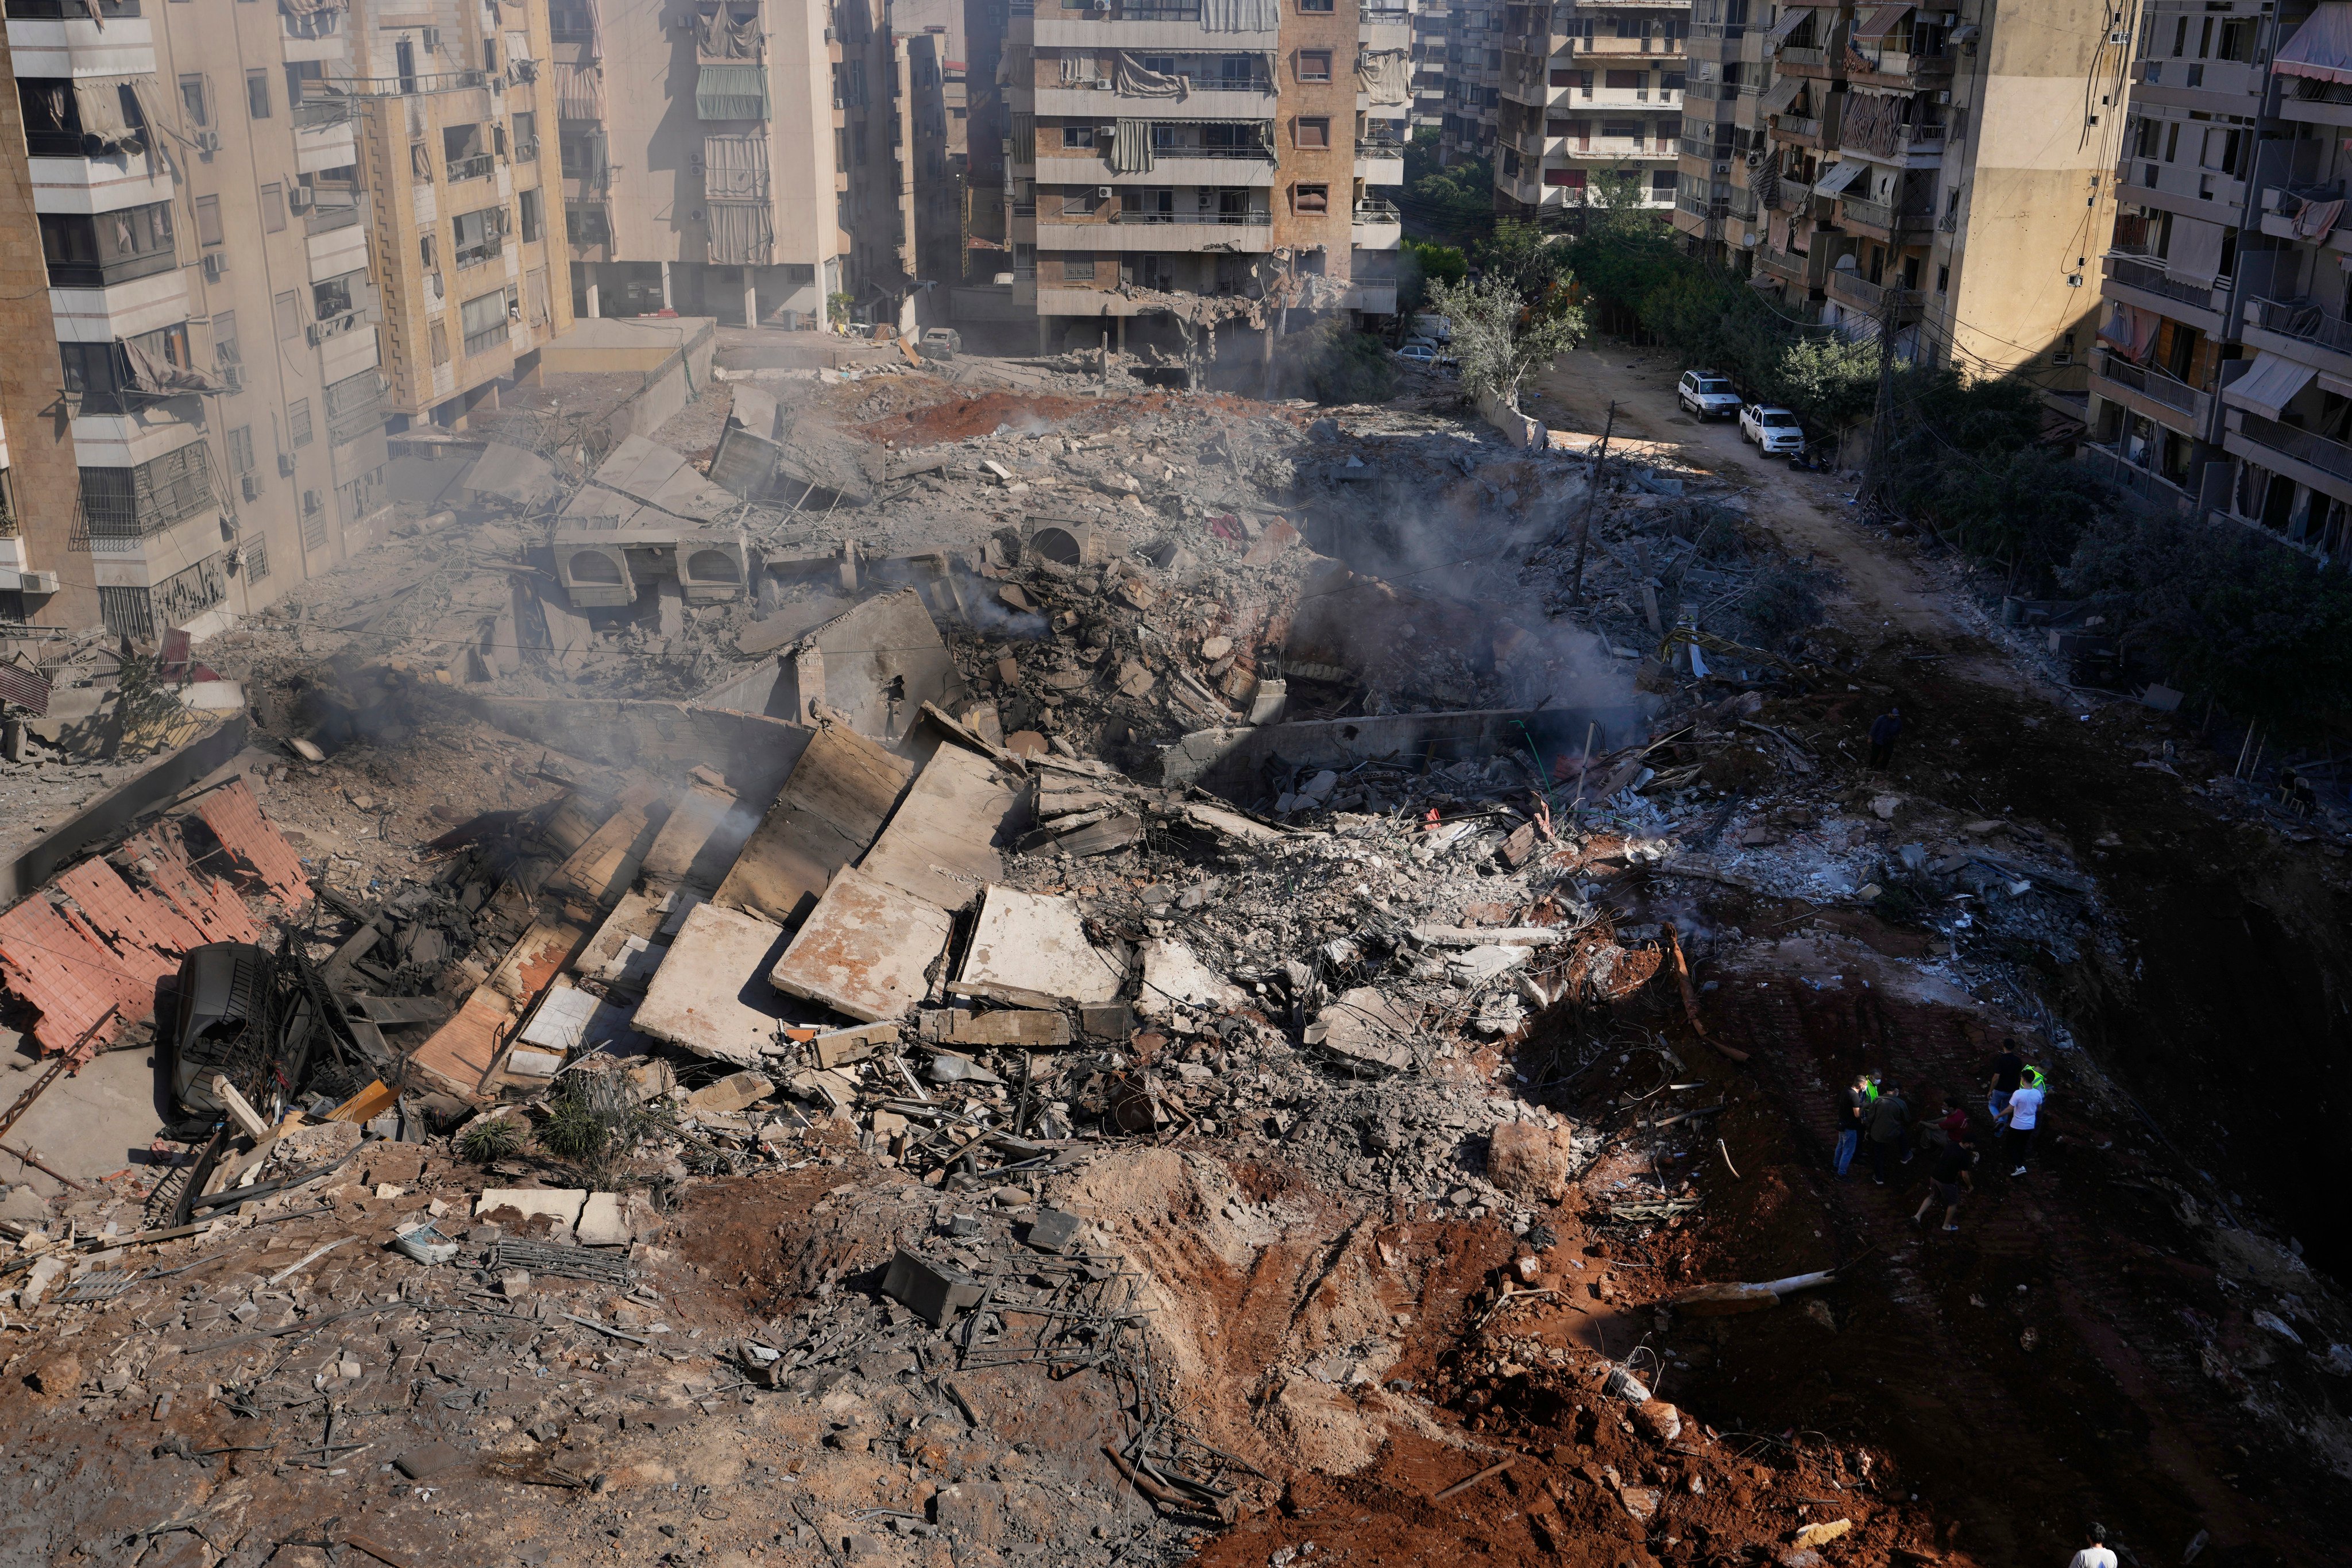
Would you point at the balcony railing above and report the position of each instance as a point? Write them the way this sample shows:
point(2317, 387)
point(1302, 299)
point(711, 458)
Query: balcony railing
point(73, 10)
point(1853, 288)
point(526, 152)
point(1885, 214)
point(422, 83)
point(2314, 451)
point(317, 113)
point(1794, 55)
point(107, 274)
point(2148, 382)
point(486, 249)
point(2149, 277)
point(1791, 126)
point(1159, 11)
point(476, 167)
point(1378, 147)
point(2303, 320)
point(1377, 212)
point(1230, 220)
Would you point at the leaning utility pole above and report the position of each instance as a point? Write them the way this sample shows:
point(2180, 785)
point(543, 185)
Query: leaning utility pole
point(1881, 420)
point(1592, 499)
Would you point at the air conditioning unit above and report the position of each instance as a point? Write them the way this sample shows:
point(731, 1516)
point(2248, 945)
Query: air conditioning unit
point(251, 485)
point(1723, 168)
point(37, 581)
point(286, 465)
point(1945, 95)
point(1755, 159)
point(208, 142)
point(313, 501)
point(2062, 357)
point(299, 197)
point(216, 265)
point(1102, 193)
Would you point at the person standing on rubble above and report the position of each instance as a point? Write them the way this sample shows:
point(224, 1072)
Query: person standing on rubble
point(1949, 1178)
point(2022, 1117)
point(1885, 730)
point(1852, 1106)
point(1890, 1118)
point(2095, 1552)
point(2006, 1069)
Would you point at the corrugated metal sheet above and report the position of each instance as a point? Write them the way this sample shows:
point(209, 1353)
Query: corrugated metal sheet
point(236, 819)
point(70, 976)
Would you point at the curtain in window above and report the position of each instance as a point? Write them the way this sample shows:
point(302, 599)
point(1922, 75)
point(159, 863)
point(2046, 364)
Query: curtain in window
point(735, 168)
point(1134, 80)
point(1240, 15)
point(722, 38)
point(743, 233)
point(731, 93)
point(1025, 137)
point(1078, 68)
point(580, 91)
point(1385, 74)
point(1130, 147)
point(98, 100)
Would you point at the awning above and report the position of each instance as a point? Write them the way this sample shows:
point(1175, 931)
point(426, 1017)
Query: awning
point(1792, 19)
point(1838, 177)
point(731, 93)
point(2270, 386)
point(1784, 93)
point(1882, 22)
point(2322, 48)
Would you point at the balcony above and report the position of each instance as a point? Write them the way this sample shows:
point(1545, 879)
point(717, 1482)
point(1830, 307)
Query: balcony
point(326, 217)
point(2325, 460)
point(2137, 386)
point(56, 39)
point(1814, 63)
point(1913, 146)
point(1138, 26)
point(1882, 220)
point(1657, 49)
point(2143, 281)
point(1808, 271)
point(1378, 225)
point(1859, 296)
point(415, 85)
point(1912, 71)
point(2120, 471)
point(66, 180)
point(478, 167)
point(1251, 233)
point(1219, 99)
point(489, 248)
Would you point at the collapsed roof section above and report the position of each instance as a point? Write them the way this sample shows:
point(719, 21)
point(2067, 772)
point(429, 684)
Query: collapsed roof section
point(648, 516)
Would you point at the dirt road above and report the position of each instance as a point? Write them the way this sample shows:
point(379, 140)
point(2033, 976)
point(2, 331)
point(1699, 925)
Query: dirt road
point(1881, 586)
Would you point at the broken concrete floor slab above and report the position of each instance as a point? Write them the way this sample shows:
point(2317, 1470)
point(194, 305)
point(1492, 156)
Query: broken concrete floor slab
point(1030, 950)
point(1368, 1026)
point(1174, 978)
point(866, 950)
point(940, 845)
point(711, 994)
point(829, 812)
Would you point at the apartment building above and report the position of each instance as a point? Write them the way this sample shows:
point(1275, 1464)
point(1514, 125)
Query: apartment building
point(1474, 77)
point(1205, 147)
point(994, 32)
point(1943, 172)
point(2222, 379)
point(452, 105)
point(937, 116)
point(1592, 93)
point(1429, 25)
point(741, 159)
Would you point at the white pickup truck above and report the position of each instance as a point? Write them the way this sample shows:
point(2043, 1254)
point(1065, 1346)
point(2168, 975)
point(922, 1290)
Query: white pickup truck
point(1775, 431)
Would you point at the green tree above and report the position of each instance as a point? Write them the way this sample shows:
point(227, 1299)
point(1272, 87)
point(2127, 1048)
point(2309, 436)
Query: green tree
point(1420, 261)
point(1498, 339)
point(1344, 365)
point(1531, 264)
point(1453, 203)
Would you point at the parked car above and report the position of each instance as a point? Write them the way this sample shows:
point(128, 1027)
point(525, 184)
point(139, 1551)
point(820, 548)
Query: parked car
point(1435, 328)
point(1774, 430)
point(229, 1015)
point(1418, 353)
point(941, 342)
point(1707, 394)
point(1436, 348)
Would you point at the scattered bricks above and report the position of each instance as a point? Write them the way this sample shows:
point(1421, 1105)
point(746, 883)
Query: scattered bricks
point(1518, 846)
point(514, 1284)
point(838, 1047)
point(1529, 1161)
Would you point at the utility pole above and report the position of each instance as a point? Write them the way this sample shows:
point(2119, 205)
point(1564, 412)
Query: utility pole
point(1592, 499)
point(1881, 420)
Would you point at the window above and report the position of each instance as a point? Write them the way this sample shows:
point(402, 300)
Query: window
point(257, 94)
point(196, 100)
point(1079, 205)
point(1566, 179)
point(591, 225)
point(532, 218)
point(484, 319)
point(297, 421)
point(1310, 132)
point(240, 449)
point(440, 335)
point(1315, 65)
point(225, 353)
point(1622, 129)
point(1316, 6)
point(1625, 82)
point(1663, 180)
point(474, 236)
point(426, 250)
point(1310, 198)
point(1943, 279)
point(1078, 136)
point(287, 308)
point(1077, 269)
point(337, 295)
point(273, 207)
point(256, 551)
point(526, 135)
point(85, 252)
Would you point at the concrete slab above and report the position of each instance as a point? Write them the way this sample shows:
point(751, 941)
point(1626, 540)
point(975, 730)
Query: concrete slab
point(706, 830)
point(89, 1125)
point(711, 995)
point(1173, 978)
point(941, 845)
point(603, 1222)
point(1368, 1026)
point(866, 951)
point(1031, 950)
point(517, 1210)
point(879, 663)
point(828, 813)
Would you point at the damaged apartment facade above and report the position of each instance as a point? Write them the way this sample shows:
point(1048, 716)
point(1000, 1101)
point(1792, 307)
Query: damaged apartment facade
point(268, 231)
point(1166, 154)
point(1589, 91)
point(2222, 380)
point(1941, 170)
point(749, 161)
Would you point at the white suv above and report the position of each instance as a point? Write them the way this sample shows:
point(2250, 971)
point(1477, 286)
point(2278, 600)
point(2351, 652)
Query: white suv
point(1774, 430)
point(1707, 394)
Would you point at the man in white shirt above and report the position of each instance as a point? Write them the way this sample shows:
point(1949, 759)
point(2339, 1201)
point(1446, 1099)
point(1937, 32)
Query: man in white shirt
point(2095, 1552)
point(2020, 1117)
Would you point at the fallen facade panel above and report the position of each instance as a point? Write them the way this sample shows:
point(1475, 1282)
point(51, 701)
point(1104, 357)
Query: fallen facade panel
point(711, 994)
point(866, 950)
point(1031, 950)
point(841, 792)
point(941, 842)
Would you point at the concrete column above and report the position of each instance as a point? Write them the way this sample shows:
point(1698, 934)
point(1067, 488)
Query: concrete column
point(665, 304)
point(1122, 335)
point(751, 299)
point(1044, 335)
point(593, 310)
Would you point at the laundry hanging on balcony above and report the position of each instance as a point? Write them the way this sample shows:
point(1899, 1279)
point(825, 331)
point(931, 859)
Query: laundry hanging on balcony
point(1080, 70)
point(2269, 387)
point(723, 37)
point(2313, 218)
point(1240, 15)
point(731, 93)
point(2321, 49)
point(1385, 75)
point(580, 91)
point(1130, 147)
point(2132, 330)
point(1135, 80)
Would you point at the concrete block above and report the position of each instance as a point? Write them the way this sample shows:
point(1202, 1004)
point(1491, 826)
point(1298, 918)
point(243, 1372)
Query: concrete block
point(866, 950)
point(603, 1222)
point(523, 1211)
point(711, 994)
point(1031, 950)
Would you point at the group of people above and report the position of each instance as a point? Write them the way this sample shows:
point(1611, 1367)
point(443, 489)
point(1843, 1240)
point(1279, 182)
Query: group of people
point(1875, 1111)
